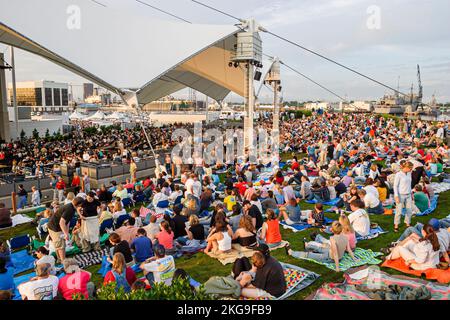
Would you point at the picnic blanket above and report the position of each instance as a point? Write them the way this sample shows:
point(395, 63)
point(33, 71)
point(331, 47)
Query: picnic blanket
point(88, 259)
point(296, 278)
point(20, 219)
point(332, 202)
point(364, 256)
point(373, 278)
point(301, 226)
point(442, 276)
point(127, 233)
point(22, 261)
point(374, 233)
point(440, 187)
point(237, 251)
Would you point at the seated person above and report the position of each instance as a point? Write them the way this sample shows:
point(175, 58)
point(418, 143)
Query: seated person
point(382, 189)
point(105, 212)
point(43, 256)
point(219, 238)
point(180, 218)
point(165, 238)
point(76, 281)
point(440, 229)
point(230, 200)
point(323, 250)
point(136, 215)
point(269, 202)
point(320, 193)
point(421, 200)
point(142, 246)
point(235, 217)
point(195, 233)
point(317, 216)
point(43, 286)
point(160, 268)
point(270, 232)
point(120, 246)
point(348, 231)
point(118, 210)
point(138, 194)
point(123, 276)
point(350, 196)
point(420, 253)
point(372, 203)
point(245, 235)
point(359, 219)
point(291, 212)
point(152, 229)
point(267, 277)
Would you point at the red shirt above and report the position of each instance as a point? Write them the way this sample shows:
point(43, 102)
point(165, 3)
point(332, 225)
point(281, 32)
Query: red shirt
point(130, 275)
point(74, 283)
point(76, 181)
point(60, 185)
point(295, 165)
point(241, 186)
point(165, 239)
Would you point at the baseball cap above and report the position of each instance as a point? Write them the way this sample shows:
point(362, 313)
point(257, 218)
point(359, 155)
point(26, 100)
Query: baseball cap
point(434, 223)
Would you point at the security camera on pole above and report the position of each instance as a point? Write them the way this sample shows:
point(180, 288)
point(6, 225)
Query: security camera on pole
point(249, 54)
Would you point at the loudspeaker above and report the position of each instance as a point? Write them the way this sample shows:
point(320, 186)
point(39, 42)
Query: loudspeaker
point(258, 75)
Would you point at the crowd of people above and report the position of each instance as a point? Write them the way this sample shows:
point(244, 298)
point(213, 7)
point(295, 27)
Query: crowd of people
point(361, 163)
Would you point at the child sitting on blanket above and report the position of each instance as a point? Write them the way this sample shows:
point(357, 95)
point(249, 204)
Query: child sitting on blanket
point(317, 217)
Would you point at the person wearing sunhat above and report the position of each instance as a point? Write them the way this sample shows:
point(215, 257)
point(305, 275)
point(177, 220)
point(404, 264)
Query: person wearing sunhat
point(42, 287)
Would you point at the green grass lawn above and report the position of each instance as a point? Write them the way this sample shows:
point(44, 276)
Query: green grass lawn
point(201, 267)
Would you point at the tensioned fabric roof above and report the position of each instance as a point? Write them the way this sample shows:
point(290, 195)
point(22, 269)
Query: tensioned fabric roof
point(118, 49)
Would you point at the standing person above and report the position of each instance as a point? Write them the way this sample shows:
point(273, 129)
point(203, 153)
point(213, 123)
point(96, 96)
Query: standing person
point(403, 194)
point(58, 226)
point(76, 183)
point(53, 182)
point(90, 227)
point(133, 170)
point(23, 194)
point(168, 164)
point(86, 183)
point(35, 197)
point(60, 188)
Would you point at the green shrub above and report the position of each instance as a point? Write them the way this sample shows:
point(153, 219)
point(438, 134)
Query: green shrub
point(180, 289)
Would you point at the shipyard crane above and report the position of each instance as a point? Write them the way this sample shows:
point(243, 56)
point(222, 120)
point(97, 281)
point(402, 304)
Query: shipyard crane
point(420, 93)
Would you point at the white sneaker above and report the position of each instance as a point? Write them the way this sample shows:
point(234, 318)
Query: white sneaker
point(289, 221)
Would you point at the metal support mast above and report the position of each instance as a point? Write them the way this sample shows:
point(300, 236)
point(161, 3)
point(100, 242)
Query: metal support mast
point(14, 91)
point(273, 79)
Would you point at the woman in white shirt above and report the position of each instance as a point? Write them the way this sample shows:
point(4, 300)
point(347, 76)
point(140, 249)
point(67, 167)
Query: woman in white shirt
point(418, 253)
point(359, 219)
point(118, 210)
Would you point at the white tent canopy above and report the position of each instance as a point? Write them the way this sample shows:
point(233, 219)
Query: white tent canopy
point(76, 116)
point(115, 116)
point(156, 57)
point(96, 116)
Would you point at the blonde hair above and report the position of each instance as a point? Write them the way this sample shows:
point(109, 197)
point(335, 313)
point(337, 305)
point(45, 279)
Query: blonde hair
point(70, 196)
point(336, 227)
point(118, 263)
point(193, 220)
point(192, 204)
point(246, 223)
point(346, 225)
